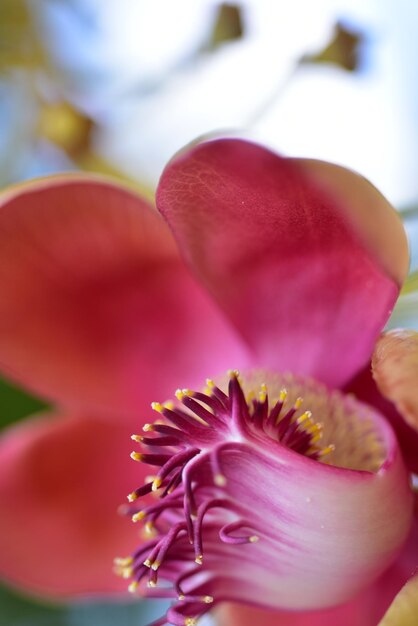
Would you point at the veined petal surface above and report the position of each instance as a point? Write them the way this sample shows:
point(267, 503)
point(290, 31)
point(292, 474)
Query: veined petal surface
point(95, 303)
point(290, 250)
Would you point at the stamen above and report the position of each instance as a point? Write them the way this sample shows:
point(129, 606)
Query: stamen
point(196, 444)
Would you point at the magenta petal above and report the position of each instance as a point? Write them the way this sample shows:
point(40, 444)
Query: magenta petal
point(61, 483)
point(285, 248)
point(366, 609)
point(95, 302)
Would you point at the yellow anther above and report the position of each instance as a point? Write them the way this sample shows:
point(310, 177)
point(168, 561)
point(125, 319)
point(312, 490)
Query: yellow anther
point(253, 539)
point(133, 587)
point(157, 406)
point(132, 497)
point(136, 456)
point(123, 561)
point(282, 395)
point(233, 374)
point(149, 528)
point(199, 559)
point(220, 480)
point(156, 484)
point(169, 405)
point(137, 438)
point(326, 450)
point(181, 597)
point(298, 403)
point(210, 383)
point(317, 437)
point(181, 393)
point(207, 599)
point(190, 621)
point(263, 393)
point(155, 565)
point(315, 428)
point(127, 572)
point(305, 416)
point(152, 583)
point(148, 427)
point(147, 563)
point(137, 517)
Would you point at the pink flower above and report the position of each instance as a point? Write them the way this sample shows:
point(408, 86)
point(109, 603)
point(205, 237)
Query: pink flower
point(100, 313)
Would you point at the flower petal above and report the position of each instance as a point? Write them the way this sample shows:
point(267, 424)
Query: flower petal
point(365, 388)
point(395, 369)
point(95, 301)
point(61, 483)
point(363, 610)
point(404, 610)
point(288, 251)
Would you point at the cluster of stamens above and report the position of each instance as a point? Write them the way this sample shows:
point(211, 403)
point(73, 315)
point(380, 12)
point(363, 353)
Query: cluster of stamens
point(187, 502)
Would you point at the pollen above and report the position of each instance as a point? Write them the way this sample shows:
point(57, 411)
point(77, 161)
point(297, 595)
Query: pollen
point(298, 402)
point(282, 395)
point(181, 393)
point(156, 484)
point(149, 528)
point(220, 480)
point(136, 456)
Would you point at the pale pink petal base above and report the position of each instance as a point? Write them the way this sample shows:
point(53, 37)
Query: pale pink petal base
point(395, 369)
point(366, 609)
point(62, 481)
point(96, 304)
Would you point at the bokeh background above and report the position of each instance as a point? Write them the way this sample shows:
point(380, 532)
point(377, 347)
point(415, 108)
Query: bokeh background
point(118, 86)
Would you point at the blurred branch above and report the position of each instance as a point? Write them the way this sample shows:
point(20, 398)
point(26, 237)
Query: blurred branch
point(20, 46)
point(343, 50)
point(228, 26)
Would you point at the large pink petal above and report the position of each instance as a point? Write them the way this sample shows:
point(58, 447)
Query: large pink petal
point(96, 307)
point(395, 369)
point(365, 388)
point(305, 257)
point(61, 483)
point(364, 610)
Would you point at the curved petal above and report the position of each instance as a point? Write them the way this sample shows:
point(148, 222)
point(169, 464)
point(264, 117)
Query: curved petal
point(363, 610)
point(95, 301)
point(289, 252)
point(404, 610)
point(61, 483)
point(395, 369)
point(365, 388)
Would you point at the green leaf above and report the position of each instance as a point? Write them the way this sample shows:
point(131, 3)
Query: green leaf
point(17, 610)
point(16, 404)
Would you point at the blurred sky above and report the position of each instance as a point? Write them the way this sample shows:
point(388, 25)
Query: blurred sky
point(143, 71)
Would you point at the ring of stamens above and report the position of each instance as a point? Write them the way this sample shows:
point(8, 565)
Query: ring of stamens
point(186, 445)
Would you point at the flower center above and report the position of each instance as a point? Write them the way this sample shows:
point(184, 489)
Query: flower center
point(216, 451)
